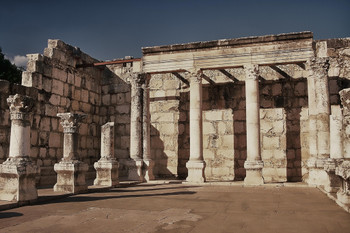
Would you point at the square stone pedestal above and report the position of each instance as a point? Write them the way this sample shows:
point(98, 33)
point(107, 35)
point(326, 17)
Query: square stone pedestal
point(148, 166)
point(334, 182)
point(343, 197)
point(195, 171)
point(254, 172)
point(135, 170)
point(317, 174)
point(106, 172)
point(71, 177)
point(17, 180)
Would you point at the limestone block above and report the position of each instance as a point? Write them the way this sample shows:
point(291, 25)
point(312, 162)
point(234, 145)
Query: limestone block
point(227, 141)
point(163, 117)
point(156, 83)
point(55, 140)
point(343, 171)
point(208, 128)
point(106, 99)
point(213, 115)
point(57, 87)
point(135, 171)
point(254, 172)
point(59, 74)
point(225, 127)
point(30, 79)
point(270, 143)
point(195, 171)
point(106, 172)
point(17, 176)
point(47, 84)
point(54, 99)
point(84, 95)
point(123, 109)
point(71, 176)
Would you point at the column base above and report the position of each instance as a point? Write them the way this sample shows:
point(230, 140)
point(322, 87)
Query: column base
point(254, 172)
point(17, 176)
point(135, 170)
point(317, 174)
point(148, 169)
point(334, 182)
point(195, 171)
point(343, 197)
point(106, 172)
point(71, 177)
point(343, 171)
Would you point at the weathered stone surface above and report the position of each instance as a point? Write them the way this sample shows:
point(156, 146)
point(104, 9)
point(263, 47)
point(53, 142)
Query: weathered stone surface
point(70, 171)
point(107, 167)
point(18, 172)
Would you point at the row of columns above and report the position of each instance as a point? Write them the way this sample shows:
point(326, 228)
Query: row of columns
point(141, 163)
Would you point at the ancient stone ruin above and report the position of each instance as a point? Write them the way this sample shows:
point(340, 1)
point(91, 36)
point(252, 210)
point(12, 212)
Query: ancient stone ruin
point(255, 110)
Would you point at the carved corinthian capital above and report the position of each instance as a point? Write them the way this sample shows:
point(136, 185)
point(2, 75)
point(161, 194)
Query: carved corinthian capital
point(319, 66)
point(71, 121)
point(345, 101)
point(137, 79)
point(20, 106)
point(194, 75)
point(251, 71)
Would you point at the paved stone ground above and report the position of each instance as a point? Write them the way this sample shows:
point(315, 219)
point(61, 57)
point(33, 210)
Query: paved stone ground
point(183, 208)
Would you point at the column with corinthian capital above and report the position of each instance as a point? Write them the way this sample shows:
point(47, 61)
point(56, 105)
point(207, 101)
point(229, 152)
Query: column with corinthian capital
point(196, 163)
point(70, 171)
point(253, 164)
point(18, 172)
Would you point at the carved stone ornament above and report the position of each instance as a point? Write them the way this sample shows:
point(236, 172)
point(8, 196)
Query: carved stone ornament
point(345, 101)
point(137, 79)
point(319, 65)
point(252, 71)
point(20, 106)
point(71, 121)
point(343, 170)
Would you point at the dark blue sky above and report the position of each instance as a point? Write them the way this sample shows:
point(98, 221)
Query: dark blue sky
point(114, 29)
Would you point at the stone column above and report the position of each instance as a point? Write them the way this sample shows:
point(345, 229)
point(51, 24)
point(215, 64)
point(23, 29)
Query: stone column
point(345, 101)
point(196, 163)
point(146, 132)
point(253, 164)
point(18, 172)
point(319, 122)
point(336, 150)
point(343, 171)
point(135, 163)
point(70, 171)
point(107, 167)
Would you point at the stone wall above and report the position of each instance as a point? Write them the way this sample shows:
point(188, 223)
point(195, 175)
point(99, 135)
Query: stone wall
point(115, 107)
point(57, 86)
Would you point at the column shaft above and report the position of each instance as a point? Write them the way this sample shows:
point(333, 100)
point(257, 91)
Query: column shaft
point(135, 163)
point(253, 164)
point(19, 139)
point(18, 173)
point(146, 131)
point(196, 164)
point(196, 130)
point(135, 118)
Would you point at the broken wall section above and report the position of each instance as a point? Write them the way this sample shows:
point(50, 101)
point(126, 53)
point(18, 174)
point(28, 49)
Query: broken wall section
point(60, 87)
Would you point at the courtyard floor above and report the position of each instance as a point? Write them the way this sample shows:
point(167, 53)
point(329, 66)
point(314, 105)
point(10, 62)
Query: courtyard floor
point(182, 208)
